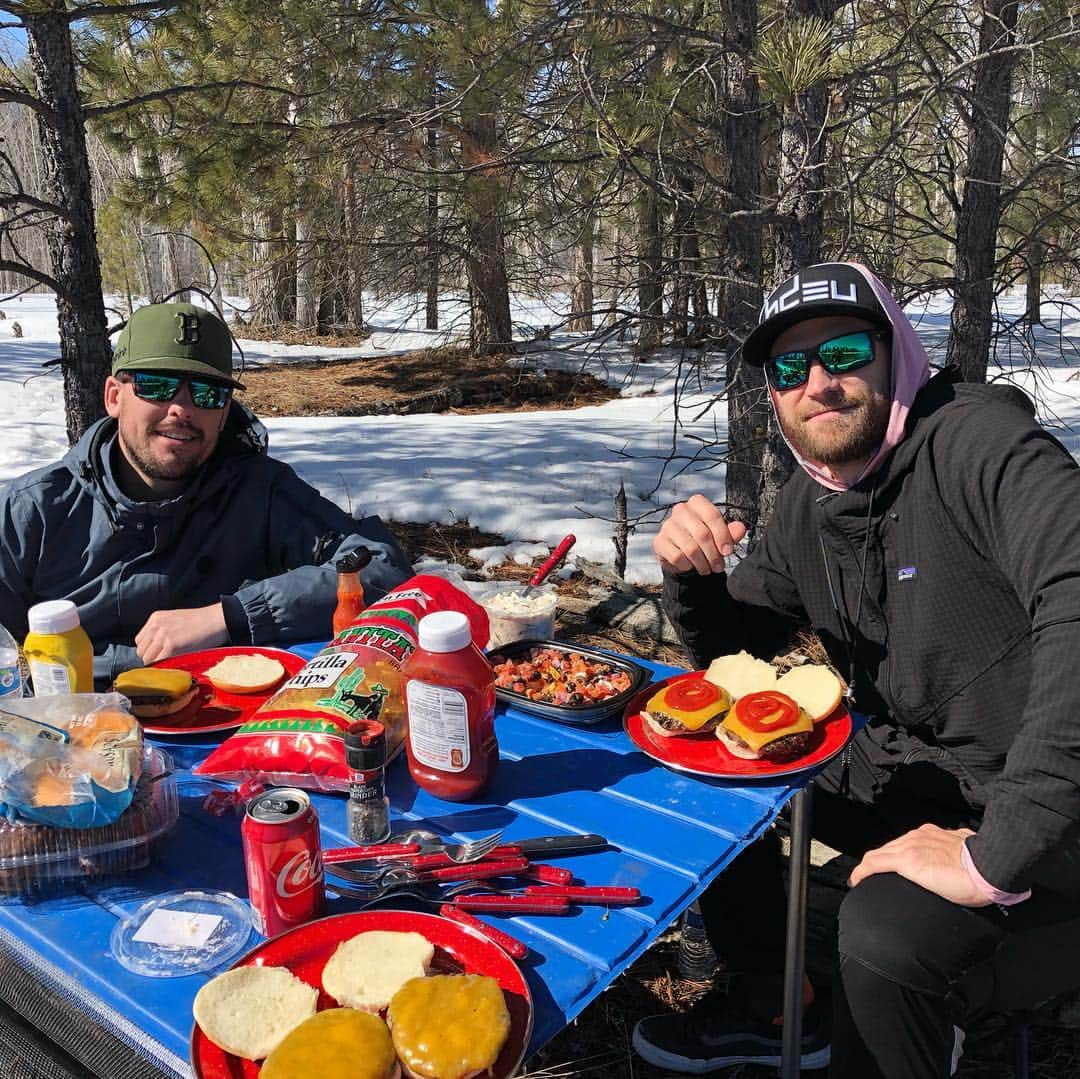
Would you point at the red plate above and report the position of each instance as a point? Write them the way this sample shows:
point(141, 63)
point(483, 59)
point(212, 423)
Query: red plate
point(306, 949)
point(705, 755)
point(213, 709)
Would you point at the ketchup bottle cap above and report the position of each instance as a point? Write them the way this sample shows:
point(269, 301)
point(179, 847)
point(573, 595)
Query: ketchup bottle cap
point(444, 631)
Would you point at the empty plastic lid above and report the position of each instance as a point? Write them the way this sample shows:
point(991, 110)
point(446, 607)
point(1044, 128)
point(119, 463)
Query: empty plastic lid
point(182, 933)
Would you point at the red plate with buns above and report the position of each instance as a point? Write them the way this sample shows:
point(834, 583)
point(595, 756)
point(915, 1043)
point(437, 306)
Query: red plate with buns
point(306, 950)
point(212, 709)
point(704, 754)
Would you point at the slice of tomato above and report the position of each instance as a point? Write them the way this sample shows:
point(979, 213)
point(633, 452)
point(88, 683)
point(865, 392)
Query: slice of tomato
point(766, 710)
point(691, 694)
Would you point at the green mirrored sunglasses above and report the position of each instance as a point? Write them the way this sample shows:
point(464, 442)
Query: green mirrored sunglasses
point(838, 356)
point(151, 386)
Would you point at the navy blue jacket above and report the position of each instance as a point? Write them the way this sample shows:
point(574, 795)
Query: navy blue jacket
point(247, 532)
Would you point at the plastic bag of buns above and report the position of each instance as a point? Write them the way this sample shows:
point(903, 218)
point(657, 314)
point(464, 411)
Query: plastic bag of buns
point(70, 760)
point(296, 737)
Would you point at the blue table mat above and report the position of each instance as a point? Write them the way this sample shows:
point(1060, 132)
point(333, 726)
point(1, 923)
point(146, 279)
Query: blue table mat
point(670, 834)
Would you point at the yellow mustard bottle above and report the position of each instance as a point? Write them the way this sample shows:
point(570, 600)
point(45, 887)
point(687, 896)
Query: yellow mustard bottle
point(57, 649)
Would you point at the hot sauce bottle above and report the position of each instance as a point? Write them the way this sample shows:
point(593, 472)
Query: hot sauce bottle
point(450, 707)
point(350, 589)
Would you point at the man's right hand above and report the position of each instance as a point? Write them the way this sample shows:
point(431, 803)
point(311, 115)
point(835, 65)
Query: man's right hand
point(696, 537)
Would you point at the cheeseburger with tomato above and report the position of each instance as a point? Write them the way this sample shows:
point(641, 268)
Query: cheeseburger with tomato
point(766, 725)
point(689, 706)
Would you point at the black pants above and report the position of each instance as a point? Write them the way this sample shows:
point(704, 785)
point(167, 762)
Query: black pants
point(912, 966)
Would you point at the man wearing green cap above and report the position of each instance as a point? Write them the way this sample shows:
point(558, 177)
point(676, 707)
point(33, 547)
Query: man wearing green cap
point(168, 524)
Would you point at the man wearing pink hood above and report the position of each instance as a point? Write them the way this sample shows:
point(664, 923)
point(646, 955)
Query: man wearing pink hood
point(931, 538)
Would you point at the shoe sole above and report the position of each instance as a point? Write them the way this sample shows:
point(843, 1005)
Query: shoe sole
point(819, 1058)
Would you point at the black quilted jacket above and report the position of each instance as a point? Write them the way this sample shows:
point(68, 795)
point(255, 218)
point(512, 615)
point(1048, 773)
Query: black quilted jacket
point(966, 638)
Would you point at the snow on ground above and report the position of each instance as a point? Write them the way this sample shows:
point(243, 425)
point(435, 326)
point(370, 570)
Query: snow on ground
point(532, 477)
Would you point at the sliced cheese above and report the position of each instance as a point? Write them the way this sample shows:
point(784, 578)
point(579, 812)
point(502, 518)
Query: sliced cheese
point(755, 739)
point(152, 682)
point(741, 673)
point(814, 687)
point(339, 1043)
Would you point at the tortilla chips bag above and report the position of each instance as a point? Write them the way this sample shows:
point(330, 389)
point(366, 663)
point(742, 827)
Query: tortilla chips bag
point(295, 738)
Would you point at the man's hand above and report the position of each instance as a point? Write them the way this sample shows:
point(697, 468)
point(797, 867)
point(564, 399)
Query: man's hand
point(697, 537)
point(168, 633)
point(930, 857)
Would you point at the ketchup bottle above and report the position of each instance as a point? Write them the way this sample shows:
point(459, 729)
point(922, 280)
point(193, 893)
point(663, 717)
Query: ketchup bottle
point(350, 589)
point(450, 707)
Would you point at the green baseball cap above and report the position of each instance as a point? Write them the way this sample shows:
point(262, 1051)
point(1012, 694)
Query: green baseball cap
point(176, 337)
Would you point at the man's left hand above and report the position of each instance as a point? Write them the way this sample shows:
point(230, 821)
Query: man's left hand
point(168, 633)
point(930, 857)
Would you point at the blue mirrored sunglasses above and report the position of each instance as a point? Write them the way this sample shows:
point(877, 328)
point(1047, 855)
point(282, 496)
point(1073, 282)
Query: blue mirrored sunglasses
point(838, 356)
point(151, 386)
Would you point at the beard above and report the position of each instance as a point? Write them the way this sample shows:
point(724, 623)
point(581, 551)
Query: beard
point(850, 437)
point(173, 469)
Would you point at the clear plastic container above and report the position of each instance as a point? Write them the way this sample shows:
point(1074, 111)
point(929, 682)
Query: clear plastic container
point(36, 858)
point(513, 616)
point(182, 933)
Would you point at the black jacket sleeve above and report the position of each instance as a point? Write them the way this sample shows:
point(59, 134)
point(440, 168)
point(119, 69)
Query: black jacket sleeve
point(1015, 492)
point(756, 607)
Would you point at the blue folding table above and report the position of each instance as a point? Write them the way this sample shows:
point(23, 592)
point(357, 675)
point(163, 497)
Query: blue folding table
point(670, 835)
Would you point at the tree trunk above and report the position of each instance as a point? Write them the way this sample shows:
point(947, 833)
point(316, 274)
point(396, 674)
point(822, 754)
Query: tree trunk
point(681, 229)
point(353, 255)
point(971, 325)
point(84, 346)
point(1036, 253)
point(801, 178)
point(750, 488)
point(431, 312)
point(173, 270)
point(650, 257)
point(264, 279)
point(581, 292)
point(485, 261)
point(307, 273)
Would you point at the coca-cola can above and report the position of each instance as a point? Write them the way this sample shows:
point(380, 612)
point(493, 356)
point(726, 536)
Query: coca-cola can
point(283, 858)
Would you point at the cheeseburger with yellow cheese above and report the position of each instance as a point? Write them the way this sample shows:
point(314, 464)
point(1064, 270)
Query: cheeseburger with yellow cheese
point(687, 706)
point(767, 725)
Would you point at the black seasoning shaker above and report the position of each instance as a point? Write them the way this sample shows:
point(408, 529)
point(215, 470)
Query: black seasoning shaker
point(369, 806)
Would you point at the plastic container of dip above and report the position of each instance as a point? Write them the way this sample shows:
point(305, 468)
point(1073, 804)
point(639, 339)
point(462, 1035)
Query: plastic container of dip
point(513, 616)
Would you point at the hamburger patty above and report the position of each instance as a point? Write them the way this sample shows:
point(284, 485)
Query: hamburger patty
point(786, 748)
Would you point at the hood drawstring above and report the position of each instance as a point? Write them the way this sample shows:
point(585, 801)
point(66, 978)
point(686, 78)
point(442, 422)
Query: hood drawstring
point(848, 630)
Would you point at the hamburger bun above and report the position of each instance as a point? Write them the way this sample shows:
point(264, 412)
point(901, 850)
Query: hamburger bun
point(449, 1026)
point(251, 673)
point(248, 1011)
point(741, 673)
point(814, 687)
point(766, 726)
point(339, 1043)
point(156, 691)
point(688, 706)
point(368, 969)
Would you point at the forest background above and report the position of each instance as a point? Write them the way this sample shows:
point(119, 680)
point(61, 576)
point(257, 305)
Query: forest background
point(655, 162)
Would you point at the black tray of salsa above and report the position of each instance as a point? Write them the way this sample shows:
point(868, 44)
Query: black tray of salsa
point(567, 683)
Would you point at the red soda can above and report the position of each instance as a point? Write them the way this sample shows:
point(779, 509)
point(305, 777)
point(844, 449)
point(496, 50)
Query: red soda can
point(283, 858)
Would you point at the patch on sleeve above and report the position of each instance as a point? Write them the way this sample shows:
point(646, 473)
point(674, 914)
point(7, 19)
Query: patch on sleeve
point(905, 573)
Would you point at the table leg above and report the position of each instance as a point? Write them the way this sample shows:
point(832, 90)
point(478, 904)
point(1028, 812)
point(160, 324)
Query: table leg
point(795, 950)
